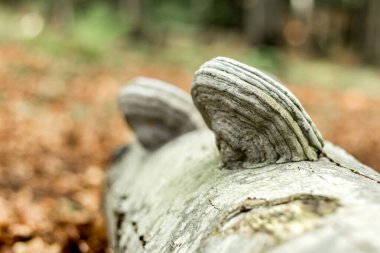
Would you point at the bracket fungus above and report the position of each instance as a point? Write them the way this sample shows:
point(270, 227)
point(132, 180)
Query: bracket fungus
point(157, 111)
point(256, 120)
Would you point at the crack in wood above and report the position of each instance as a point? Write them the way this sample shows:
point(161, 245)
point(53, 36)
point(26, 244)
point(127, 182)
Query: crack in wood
point(350, 169)
point(119, 216)
point(141, 237)
point(118, 153)
point(213, 205)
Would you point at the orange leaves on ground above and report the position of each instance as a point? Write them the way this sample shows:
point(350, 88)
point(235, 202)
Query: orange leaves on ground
point(350, 119)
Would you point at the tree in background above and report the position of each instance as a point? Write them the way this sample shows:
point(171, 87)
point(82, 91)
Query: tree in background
point(371, 31)
point(318, 27)
point(61, 13)
point(263, 21)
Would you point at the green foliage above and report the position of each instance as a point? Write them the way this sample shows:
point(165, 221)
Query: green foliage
point(267, 58)
point(223, 13)
point(172, 14)
point(180, 31)
point(96, 29)
point(90, 36)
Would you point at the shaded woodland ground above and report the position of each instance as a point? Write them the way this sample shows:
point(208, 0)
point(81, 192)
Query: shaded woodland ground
point(59, 124)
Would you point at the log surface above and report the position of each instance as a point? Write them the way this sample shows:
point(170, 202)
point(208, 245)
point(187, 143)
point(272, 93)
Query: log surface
point(164, 202)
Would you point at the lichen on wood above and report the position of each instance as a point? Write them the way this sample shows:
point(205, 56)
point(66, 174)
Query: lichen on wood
point(280, 219)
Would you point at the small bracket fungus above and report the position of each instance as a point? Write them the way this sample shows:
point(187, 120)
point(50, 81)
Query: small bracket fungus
point(256, 120)
point(157, 112)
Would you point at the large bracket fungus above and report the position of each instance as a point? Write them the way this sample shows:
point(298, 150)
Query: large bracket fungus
point(256, 120)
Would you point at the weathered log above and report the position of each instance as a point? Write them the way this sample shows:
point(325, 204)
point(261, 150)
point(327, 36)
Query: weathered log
point(271, 184)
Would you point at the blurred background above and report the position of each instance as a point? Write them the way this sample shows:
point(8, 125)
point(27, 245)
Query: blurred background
point(62, 63)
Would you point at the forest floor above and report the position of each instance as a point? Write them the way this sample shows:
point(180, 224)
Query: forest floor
point(59, 124)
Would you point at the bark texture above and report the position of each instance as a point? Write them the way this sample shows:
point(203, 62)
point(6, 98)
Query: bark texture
point(180, 198)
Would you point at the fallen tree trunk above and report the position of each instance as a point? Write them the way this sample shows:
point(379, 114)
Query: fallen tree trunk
point(185, 195)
